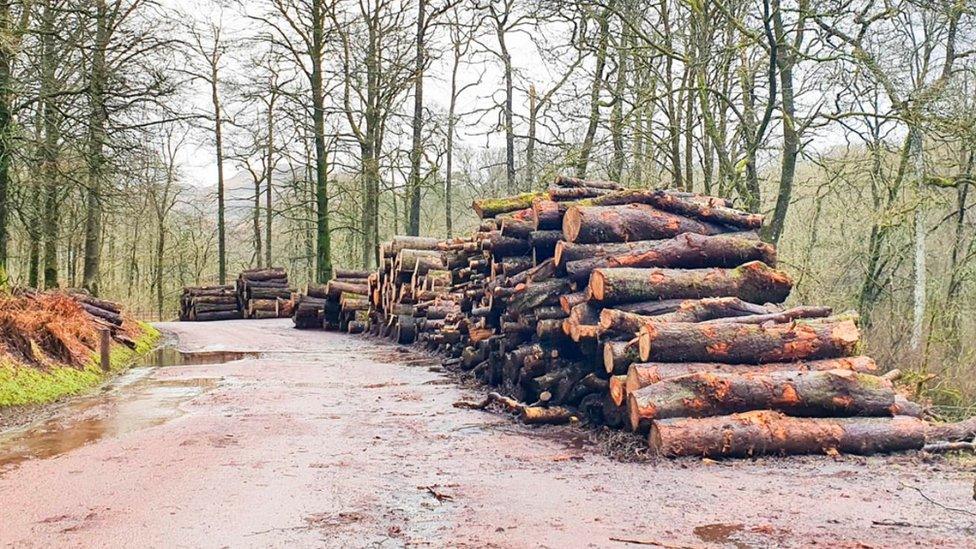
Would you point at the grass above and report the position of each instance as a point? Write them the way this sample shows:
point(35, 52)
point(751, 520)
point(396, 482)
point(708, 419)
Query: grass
point(25, 385)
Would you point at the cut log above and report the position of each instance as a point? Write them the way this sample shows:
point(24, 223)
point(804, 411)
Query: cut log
point(517, 228)
point(222, 315)
point(812, 393)
point(588, 224)
point(770, 432)
point(490, 207)
point(789, 315)
point(503, 246)
point(575, 193)
point(685, 251)
point(537, 415)
point(548, 214)
point(747, 343)
point(754, 282)
point(273, 273)
point(566, 181)
point(619, 355)
point(400, 243)
point(336, 288)
point(709, 311)
point(350, 273)
point(618, 390)
point(642, 374)
point(716, 213)
point(108, 316)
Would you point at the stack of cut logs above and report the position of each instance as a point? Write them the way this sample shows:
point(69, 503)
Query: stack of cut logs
point(264, 293)
point(339, 304)
point(654, 310)
point(107, 314)
point(199, 303)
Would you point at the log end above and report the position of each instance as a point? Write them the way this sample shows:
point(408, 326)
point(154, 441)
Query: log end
point(598, 285)
point(572, 222)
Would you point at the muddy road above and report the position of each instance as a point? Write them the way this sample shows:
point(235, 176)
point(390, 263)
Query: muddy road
point(326, 440)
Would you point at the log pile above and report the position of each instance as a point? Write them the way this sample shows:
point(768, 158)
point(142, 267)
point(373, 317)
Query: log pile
point(656, 311)
point(203, 303)
point(335, 304)
point(264, 293)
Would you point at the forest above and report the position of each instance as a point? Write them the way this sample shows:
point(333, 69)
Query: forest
point(146, 145)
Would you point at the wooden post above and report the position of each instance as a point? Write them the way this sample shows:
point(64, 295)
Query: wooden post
point(105, 349)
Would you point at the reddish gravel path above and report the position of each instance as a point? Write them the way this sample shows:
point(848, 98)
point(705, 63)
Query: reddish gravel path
point(335, 441)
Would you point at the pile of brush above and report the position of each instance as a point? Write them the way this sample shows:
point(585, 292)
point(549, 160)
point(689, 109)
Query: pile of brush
point(658, 311)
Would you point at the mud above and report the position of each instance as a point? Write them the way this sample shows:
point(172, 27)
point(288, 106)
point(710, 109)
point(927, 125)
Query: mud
point(335, 441)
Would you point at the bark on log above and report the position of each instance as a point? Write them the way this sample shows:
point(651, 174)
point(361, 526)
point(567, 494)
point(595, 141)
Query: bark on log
point(715, 213)
point(225, 315)
point(708, 311)
point(770, 432)
point(754, 282)
point(685, 251)
point(548, 214)
point(274, 273)
point(517, 228)
point(350, 273)
point(503, 246)
point(747, 343)
point(400, 243)
point(813, 393)
point(490, 207)
point(566, 181)
point(108, 316)
point(642, 374)
point(571, 251)
point(589, 224)
point(575, 193)
point(335, 289)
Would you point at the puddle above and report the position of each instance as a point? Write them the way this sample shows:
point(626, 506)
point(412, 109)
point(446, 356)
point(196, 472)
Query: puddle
point(133, 401)
point(720, 534)
point(171, 356)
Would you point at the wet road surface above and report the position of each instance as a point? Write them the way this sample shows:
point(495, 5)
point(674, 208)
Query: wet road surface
point(327, 440)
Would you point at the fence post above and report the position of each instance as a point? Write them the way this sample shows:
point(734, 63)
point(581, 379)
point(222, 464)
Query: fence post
point(105, 349)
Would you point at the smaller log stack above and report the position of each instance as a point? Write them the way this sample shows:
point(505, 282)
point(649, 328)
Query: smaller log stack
point(334, 304)
point(657, 311)
point(264, 293)
point(205, 303)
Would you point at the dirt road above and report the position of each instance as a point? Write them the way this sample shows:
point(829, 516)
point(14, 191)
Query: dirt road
point(334, 441)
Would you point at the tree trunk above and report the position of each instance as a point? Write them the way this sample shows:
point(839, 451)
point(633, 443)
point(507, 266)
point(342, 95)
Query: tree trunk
point(747, 343)
point(754, 282)
point(686, 251)
point(769, 432)
point(323, 237)
point(785, 60)
point(98, 117)
point(413, 224)
point(7, 57)
point(603, 20)
point(269, 179)
point(49, 148)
